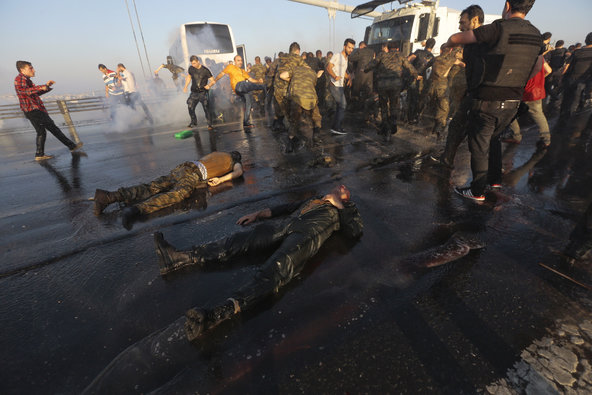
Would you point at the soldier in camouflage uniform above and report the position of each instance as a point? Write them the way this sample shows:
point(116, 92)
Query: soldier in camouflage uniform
point(213, 169)
point(362, 85)
point(388, 68)
point(258, 72)
point(457, 81)
point(280, 86)
point(420, 59)
point(437, 90)
point(302, 101)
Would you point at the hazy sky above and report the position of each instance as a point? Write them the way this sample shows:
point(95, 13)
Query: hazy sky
point(66, 39)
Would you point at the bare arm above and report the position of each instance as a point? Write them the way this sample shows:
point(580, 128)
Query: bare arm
point(158, 69)
point(236, 172)
point(250, 218)
point(106, 91)
point(461, 38)
point(411, 58)
point(187, 80)
point(548, 69)
point(331, 73)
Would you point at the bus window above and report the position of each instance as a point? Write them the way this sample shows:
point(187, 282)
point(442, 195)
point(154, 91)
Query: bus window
point(208, 39)
point(424, 23)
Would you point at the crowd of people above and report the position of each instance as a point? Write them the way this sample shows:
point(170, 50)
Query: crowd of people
point(484, 78)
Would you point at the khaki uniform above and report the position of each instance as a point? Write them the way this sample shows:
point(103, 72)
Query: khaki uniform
point(437, 89)
point(280, 87)
point(302, 98)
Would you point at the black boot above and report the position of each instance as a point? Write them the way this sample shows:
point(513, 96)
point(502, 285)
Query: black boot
point(103, 199)
point(199, 321)
point(128, 215)
point(169, 259)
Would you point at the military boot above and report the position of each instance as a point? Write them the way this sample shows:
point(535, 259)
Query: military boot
point(103, 199)
point(199, 321)
point(169, 259)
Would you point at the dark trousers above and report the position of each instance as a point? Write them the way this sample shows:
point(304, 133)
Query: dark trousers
point(199, 97)
point(164, 191)
point(42, 122)
point(413, 98)
point(457, 130)
point(292, 250)
point(135, 99)
point(389, 106)
point(487, 120)
point(572, 94)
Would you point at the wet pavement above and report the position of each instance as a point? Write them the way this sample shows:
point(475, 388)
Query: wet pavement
point(84, 307)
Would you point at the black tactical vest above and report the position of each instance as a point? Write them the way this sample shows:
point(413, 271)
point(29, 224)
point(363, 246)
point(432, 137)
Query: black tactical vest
point(509, 63)
point(580, 65)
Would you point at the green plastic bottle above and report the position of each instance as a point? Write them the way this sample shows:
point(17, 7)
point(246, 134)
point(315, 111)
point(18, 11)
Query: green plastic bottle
point(183, 134)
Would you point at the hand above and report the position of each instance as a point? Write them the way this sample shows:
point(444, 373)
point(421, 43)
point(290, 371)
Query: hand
point(419, 77)
point(349, 83)
point(50, 82)
point(335, 202)
point(207, 87)
point(44, 88)
point(247, 219)
point(185, 90)
point(213, 181)
point(337, 78)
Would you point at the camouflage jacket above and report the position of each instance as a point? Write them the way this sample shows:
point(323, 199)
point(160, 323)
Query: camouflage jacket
point(258, 71)
point(287, 63)
point(390, 65)
point(441, 66)
point(302, 87)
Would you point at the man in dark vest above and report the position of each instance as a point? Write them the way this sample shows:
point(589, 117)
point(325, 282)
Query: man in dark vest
point(577, 74)
point(511, 48)
point(420, 59)
point(213, 169)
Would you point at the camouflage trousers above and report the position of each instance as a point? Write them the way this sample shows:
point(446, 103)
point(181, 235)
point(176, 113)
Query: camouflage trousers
point(437, 94)
point(164, 191)
point(388, 99)
point(301, 122)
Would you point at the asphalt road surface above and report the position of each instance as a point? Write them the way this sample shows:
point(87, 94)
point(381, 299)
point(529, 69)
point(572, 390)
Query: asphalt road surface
point(83, 305)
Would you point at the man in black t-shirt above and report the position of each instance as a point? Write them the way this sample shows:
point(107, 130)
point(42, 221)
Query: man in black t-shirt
point(421, 60)
point(201, 80)
point(577, 73)
point(470, 19)
point(511, 48)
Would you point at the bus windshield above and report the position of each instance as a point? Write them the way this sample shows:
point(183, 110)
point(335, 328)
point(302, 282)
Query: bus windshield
point(397, 29)
point(208, 39)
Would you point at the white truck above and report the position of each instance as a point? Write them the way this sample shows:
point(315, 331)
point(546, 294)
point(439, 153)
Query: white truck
point(411, 24)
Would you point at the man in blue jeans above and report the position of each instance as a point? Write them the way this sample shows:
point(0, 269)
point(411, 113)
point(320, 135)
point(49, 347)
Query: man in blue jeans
point(242, 84)
point(337, 70)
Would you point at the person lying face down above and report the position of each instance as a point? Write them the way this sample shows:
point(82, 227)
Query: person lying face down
point(308, 224)
point(213, 169)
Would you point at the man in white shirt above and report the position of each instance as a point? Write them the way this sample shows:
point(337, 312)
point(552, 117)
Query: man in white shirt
point(337, 70)
point(132, 96)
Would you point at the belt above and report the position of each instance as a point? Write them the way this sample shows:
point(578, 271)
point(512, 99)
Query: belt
point(496, 105)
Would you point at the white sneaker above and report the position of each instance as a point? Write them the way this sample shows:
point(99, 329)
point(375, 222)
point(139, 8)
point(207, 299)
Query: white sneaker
point(339, 132)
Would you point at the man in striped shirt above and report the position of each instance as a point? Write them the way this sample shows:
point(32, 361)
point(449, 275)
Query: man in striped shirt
point(34, 110)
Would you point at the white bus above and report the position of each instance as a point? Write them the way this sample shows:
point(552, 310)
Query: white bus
point(210, 41)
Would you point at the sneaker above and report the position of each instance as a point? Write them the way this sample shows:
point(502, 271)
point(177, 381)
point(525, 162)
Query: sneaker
point(43, 157)
point(192, 125)
point(340, 132)
point(495, 185)
point(210, 127)
point(77, 146)
point(467, 193)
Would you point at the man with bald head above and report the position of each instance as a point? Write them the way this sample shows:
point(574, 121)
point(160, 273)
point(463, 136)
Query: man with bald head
point(242, 84)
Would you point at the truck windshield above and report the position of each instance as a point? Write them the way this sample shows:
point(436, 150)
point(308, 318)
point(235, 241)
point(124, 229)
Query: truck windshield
point(392, 30)
point(205, 38)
